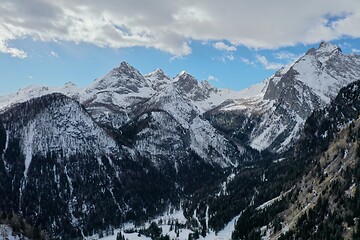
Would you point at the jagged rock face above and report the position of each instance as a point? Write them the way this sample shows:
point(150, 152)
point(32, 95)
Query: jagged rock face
point(123, 79)
point(72, 129)
point(311, 83)
point(110, 98)
point(173, 124)
point(118, 97)
point(279, 111)
point(190, 87)
point(158, 79)
point(154, 140)
point(186, 82)
point(323, 71)
point(292, 94)
point(172, 101)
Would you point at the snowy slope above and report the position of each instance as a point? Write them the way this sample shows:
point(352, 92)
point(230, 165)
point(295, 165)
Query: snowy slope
point(205, 96)
point(326, 70)
point(125, 79)
point(172, 126)
point(111, 98)
point(158, 79)
point(159, 135)
point(30, 92)
point(7, 233)
point(208, 143)
point(183, 233)
point(71, 129)
point(176, 104)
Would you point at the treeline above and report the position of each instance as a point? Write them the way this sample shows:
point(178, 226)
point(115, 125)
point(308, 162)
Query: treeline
point(21, 227)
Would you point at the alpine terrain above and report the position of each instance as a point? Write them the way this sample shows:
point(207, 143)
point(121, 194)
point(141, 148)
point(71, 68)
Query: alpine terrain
point(154, 157)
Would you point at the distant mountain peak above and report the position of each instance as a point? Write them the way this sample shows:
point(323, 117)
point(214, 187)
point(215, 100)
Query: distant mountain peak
point(328, 47)
point(158, 71)
point(324, 48)
point(183, 72)
point(185, 81)
point(70, 84)
point(158, 74)
point(158, 79)
point(185, 76)
point(126, 66)
point(123, 78)
point(207, 86)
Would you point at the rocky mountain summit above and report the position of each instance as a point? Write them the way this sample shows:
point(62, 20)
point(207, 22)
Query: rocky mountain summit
point(273, 118)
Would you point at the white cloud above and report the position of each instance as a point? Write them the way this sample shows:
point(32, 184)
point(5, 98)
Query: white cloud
point(247, 61)
point(230, 57)
point(14, 52)
point(54, 54)
point(355, 50)
point(223, 46)
point(345, 45)
point(225, 58)
point(268, 65)
point(285, 55)
point(212, 78)
point(170, 26)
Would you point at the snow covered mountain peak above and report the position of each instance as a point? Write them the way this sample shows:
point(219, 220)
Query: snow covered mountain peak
point(183, 72)
point(124, 78)
point(34, 91)
point(323, 70)
point(207, 86)
point(175, 103)
point(71, 127)
point(158, 79)
point(326, 70)
point(157, 72)
point(127, 68)
point(294, 91)
point(327, 47)
point(70, 84)
point(324, 48)
point(185, 81)
point(288, 97)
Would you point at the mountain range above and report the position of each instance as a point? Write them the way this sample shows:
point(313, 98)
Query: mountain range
point(129, 147)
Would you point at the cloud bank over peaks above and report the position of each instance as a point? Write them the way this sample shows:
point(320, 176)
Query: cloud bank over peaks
point(170, 25)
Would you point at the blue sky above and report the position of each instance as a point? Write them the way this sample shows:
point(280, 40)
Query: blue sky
point(48, 43)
